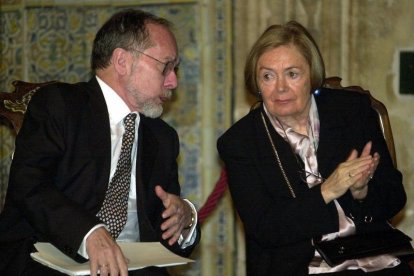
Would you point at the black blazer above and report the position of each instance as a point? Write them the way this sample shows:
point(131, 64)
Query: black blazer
point(60, 172)
point(278, 227)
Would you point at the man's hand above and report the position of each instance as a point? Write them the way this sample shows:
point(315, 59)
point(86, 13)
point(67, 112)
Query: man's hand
point(177, 215)
point(105, 256)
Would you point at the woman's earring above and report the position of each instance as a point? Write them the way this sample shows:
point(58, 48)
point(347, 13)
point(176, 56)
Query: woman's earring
point(259, 93)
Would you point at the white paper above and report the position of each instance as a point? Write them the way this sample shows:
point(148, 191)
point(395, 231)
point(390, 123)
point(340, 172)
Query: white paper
point(139, 254)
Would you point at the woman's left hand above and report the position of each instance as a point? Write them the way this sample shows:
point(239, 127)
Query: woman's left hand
point(360, 189)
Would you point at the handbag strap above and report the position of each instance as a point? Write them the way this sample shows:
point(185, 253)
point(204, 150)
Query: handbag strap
point(292, 192)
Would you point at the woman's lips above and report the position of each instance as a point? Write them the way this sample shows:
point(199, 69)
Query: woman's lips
point(282, 101)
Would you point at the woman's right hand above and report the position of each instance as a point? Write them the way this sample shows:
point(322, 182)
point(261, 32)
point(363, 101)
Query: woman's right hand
point(347, 174)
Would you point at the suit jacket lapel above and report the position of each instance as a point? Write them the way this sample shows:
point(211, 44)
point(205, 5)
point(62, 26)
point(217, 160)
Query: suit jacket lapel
point(267, 158)
point(100, 133)
point(147, 150)
point(332, 127)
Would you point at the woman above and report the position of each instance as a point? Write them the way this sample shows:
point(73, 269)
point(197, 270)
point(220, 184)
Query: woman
point(307, 162)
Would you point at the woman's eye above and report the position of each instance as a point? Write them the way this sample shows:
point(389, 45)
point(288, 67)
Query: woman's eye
point(293, 74)
point(267, 76)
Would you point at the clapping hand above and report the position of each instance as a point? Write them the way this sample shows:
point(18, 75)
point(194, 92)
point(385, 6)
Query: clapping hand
point(353, 174)
point(359, 189)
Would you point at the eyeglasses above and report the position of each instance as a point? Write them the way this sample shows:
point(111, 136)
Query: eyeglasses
point(304, 175)
point(169, 66)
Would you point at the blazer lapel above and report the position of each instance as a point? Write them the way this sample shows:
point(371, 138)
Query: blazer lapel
point(267, 157)
point(99, 133)
point(332, 127)
point(147, 150)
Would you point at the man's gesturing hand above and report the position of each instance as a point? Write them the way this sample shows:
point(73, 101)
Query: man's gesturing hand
point(177, 215)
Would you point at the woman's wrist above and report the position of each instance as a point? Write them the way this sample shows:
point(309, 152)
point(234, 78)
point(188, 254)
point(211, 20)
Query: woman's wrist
point(327, 195)
point(360, 193)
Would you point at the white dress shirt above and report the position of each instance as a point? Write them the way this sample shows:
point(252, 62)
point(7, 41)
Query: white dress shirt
point(117, 110)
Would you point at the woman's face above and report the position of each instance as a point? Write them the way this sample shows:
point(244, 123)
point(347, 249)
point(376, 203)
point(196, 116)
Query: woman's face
point(284, 80)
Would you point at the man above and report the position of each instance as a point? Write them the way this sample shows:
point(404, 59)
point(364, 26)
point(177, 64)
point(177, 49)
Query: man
point(70, 158)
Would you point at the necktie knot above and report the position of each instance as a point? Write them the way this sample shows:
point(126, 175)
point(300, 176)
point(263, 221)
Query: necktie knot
point(129, 121)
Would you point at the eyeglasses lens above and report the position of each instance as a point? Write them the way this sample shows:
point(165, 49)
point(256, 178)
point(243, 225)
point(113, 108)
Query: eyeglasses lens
point(169, 67)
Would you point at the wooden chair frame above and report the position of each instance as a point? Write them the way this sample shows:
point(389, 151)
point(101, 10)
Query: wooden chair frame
point(13, 105)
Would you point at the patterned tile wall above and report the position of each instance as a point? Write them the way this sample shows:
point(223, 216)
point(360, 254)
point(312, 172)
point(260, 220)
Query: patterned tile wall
point(41, 43)
point(57, 46)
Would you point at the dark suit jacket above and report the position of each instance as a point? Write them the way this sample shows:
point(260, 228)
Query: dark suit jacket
point(278, 227)
point(60, 172)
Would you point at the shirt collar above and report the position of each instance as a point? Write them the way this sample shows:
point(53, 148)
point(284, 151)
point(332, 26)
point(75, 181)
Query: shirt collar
point(117, 108)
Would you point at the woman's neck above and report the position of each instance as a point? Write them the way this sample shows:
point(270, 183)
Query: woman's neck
point(298, 124)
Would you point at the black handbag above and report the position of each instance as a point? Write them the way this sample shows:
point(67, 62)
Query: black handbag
point(393, 242)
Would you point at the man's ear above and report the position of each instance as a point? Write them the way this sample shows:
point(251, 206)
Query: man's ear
point(121, 60)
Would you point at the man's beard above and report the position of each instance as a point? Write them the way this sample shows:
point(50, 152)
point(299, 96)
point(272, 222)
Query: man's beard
point(149, 107)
